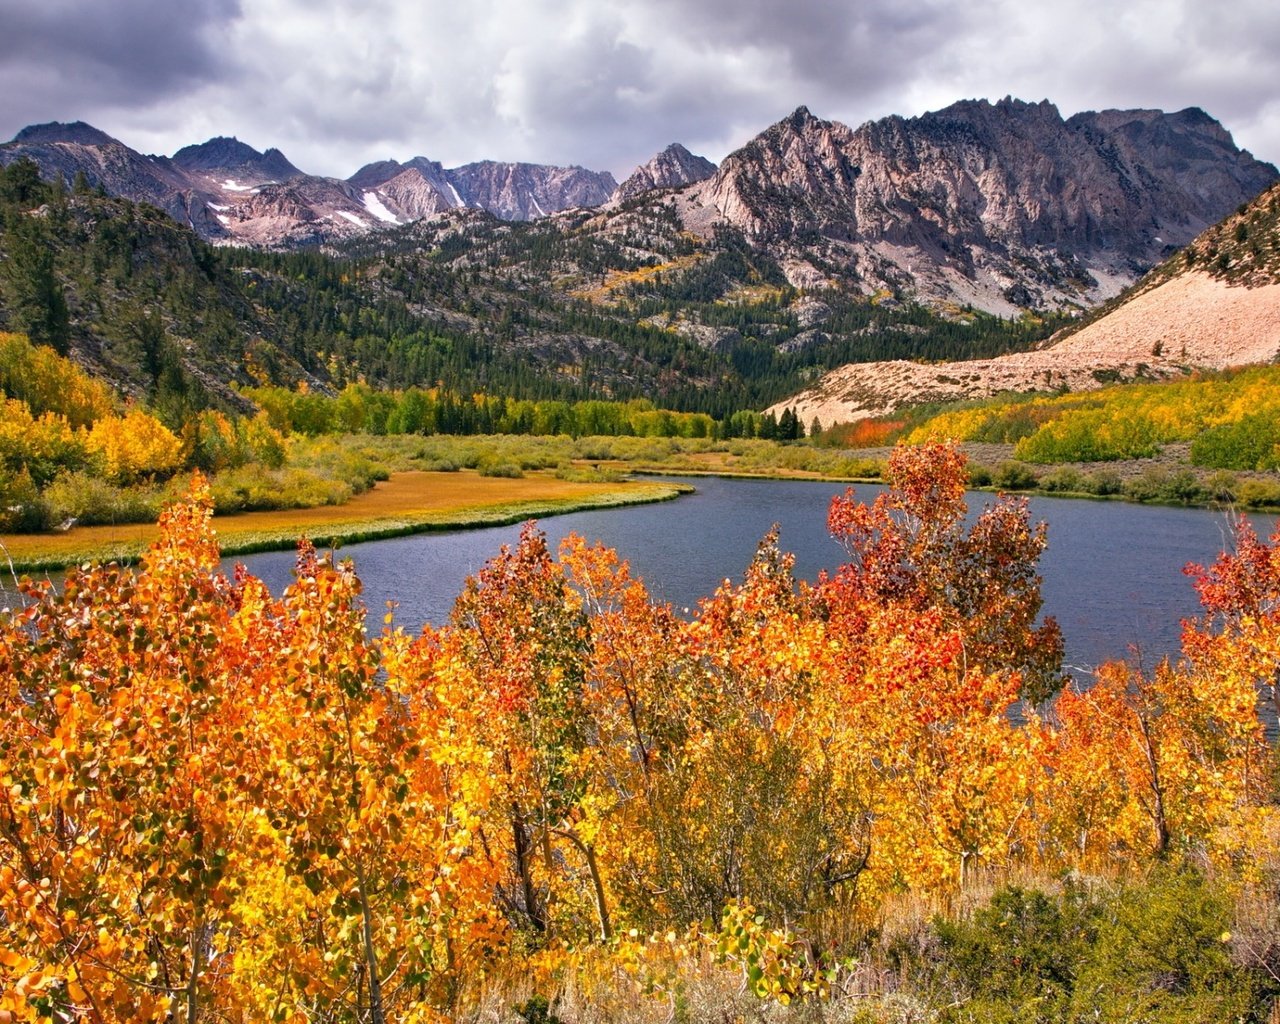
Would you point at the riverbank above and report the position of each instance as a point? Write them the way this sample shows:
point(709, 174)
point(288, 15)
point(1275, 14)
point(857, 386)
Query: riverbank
point(414, 501)
point(1168, 478)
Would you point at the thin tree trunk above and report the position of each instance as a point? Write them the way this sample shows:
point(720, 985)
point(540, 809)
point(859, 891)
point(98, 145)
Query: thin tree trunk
point(376, 1013)
point(520, 838)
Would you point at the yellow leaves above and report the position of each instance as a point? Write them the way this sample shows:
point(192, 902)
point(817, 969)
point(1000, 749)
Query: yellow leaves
point(134, 445)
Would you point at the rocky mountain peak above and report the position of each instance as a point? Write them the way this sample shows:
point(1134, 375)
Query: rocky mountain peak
point(381, 171)
point(674, 167)
point(372, 175)
point(1003, 205)
point(520, 191)
point(74, 132)
point(794, 177)
point(228, 155)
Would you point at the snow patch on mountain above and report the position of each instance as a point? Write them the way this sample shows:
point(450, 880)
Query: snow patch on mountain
point(375, 206)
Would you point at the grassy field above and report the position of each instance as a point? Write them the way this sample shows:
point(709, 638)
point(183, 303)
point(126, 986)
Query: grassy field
point(410, 502)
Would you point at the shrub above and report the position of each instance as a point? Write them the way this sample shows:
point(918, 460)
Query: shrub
point(1103, 482)
point(1023, 949)
point(979, 476)
point(1014, 476)
point(490, 467)
point(1253, 442)
point(1259, 494)
point(1065, 480)
point(1162, 955)
point(90, 500)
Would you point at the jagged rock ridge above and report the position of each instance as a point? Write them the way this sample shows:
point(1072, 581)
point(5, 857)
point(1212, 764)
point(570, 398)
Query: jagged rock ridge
point(673, 167)
point(1006, 206)
point(228, 191)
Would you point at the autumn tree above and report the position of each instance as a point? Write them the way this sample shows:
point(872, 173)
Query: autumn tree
point(120, 807)
point(522, 638)
point(910, 546)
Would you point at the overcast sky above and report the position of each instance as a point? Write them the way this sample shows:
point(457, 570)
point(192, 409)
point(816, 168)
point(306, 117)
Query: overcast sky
point(606, 83)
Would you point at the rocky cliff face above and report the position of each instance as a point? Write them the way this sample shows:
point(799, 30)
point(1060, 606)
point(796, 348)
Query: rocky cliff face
point(674, 167)
point(1006, 206)
point(527, 191)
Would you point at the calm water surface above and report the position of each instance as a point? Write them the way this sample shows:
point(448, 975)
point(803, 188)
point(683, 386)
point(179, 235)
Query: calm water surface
point(1112, 572)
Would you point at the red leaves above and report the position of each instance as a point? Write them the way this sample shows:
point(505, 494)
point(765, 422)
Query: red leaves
point(910, 546)
point(1243, 582)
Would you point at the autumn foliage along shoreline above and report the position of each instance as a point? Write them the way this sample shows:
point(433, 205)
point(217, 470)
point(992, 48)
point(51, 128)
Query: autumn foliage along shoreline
point(222, 804)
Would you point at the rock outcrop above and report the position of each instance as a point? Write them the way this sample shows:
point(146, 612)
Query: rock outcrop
point(674, 167)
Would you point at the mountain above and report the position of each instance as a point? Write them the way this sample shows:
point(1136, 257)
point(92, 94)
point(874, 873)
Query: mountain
point(673, 167)
point(68, 150)
point(229, 158)
point(525, 191)
point(1212, 306)
point(227, 191)
point(1003, 206)
point(76, 133)
point(813, 246)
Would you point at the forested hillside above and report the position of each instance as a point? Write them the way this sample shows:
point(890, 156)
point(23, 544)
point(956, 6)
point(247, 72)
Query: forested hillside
point(538, 310)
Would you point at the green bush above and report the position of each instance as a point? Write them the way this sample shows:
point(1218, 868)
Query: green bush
point(1017, 958)
point(979, 475)
point(1065, 480)
point(491, 467)
point(1259, 494)
point(1253, 442)
point(1103, 482)
point(91, 500)
point(1156, 484)
point(1014, 476)
point(1161, 955)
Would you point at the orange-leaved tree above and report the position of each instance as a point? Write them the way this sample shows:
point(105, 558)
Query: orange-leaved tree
point(120, 805)
point(911, 547)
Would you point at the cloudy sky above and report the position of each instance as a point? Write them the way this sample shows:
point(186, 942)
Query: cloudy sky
point(606, 83)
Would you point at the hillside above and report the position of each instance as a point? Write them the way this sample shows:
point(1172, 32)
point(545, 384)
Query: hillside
point(706, 289)
point(1215, 305)
point(533, 309)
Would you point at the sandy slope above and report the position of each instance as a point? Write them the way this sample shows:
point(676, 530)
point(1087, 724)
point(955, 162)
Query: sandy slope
point(1182, 323)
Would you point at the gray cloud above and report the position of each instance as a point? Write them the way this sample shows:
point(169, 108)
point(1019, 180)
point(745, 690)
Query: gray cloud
point(59, 58)
point(606, 83)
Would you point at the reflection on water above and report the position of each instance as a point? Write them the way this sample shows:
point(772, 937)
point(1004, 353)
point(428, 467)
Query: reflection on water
point(1112, 573)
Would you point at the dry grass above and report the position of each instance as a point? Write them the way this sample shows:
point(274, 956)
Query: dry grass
point(616, 280)
point(409, 502)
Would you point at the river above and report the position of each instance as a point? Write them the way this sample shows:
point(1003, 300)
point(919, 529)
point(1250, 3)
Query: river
point(1112, 572)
